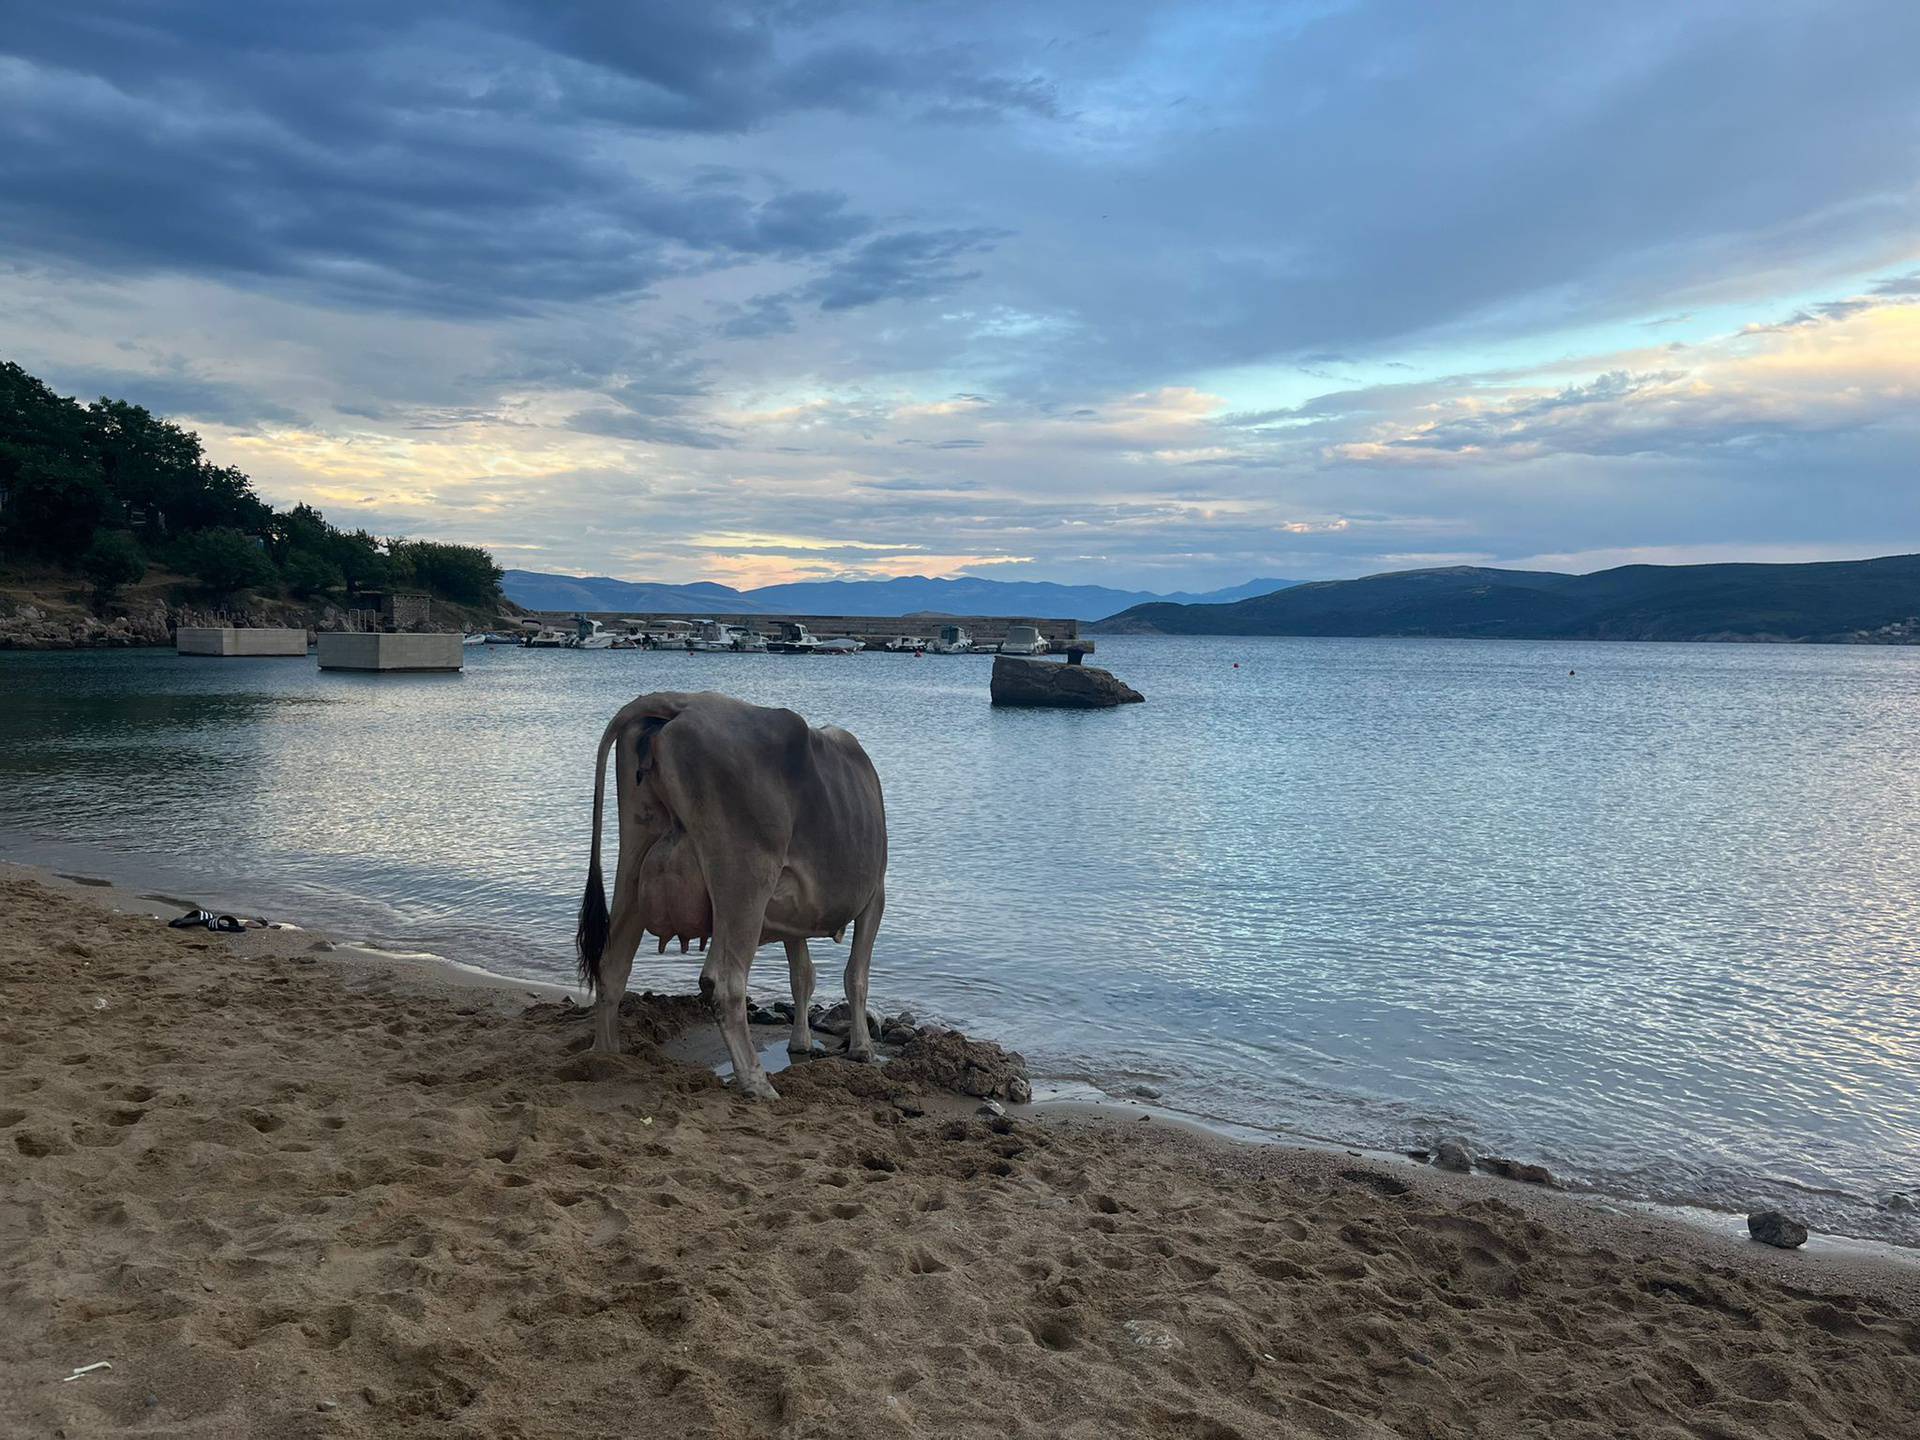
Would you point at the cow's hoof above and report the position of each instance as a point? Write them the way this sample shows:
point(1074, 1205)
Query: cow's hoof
point(807, 1051)
point(757, 1087)
point(862, 1056)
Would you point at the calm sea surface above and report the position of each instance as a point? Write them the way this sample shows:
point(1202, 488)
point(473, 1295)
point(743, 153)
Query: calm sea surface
point(1653, 924)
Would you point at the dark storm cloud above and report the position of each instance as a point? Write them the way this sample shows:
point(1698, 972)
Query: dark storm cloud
point(178, 392)
point(909, 265)
point(453, 159)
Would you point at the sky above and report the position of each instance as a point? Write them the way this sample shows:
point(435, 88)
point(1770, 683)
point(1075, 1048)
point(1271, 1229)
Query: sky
point(1155, 296)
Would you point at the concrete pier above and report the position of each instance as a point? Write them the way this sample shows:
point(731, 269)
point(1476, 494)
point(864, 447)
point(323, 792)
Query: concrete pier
point(374, 650)
point(232, 640)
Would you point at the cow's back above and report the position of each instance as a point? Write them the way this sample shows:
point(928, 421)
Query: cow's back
point(757, 787)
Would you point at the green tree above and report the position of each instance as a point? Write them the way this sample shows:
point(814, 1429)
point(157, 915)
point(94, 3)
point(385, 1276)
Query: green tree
point(52, 496)
point(309, 574)
point(225, 561)
point(152, 468)
point(360, 559)
point(465, 573)
point(113, 561)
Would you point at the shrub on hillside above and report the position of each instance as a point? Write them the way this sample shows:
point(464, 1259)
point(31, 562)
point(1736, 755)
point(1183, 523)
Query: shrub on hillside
point(308, 574)
point(226, 561)
point(113, 561)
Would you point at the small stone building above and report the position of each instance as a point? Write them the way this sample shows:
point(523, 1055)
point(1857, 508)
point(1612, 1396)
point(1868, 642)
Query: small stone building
point(406, 610)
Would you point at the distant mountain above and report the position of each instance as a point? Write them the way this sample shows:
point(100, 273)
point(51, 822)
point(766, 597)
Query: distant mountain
point(907, 595)
point(537, 591)
point(1831, 600)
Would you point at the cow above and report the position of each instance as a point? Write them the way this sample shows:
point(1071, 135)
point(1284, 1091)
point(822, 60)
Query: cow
point(739, 825)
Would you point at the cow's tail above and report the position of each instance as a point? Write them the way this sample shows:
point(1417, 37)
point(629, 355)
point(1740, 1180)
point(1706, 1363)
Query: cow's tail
point(590, 939)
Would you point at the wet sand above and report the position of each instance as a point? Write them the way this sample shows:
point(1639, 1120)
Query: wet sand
point(289, 1192)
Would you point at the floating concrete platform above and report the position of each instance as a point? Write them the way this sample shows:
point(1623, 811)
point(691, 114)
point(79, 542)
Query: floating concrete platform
point(362, 650)
point(232, 640)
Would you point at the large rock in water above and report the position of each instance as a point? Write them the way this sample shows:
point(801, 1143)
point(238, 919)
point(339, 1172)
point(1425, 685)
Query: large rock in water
point(1019, 681)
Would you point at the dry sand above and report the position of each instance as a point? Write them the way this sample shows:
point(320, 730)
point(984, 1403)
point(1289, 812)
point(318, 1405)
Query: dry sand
point(287, 1195)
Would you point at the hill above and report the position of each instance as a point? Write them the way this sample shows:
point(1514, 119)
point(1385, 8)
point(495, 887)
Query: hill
point(97, 498)
point(1841, 600)
point(905, 595)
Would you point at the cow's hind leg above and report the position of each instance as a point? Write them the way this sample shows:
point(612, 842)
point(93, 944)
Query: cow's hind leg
point(800, 973)
point(738, 914)
point(616, 964)
point(859, 962)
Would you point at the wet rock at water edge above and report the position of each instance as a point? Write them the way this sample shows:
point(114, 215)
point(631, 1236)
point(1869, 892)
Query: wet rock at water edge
point(1519, 1170)
point(1048, 683)
point(1776, 1228)
point(1452, 1154)
point(1145, 1092)
point(838, 1020)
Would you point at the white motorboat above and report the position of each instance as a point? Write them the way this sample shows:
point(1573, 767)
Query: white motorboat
point(497, 638)
point(748, 641)
point(710, 636)
point(841, 646)
point(793, 639)
point(591, 635)
point(907, 645)
point(476, 638)
point(952, 640)
point(1023, 640)
point(549, 640)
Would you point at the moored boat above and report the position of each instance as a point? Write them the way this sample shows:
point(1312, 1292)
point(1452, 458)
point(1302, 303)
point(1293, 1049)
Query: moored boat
point(1023, 640)
point(952, 640)
point(793, 639)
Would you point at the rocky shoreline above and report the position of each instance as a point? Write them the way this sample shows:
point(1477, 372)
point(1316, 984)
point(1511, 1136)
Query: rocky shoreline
point(31, 625)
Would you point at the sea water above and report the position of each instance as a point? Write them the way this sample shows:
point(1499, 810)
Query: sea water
point(1646, 914)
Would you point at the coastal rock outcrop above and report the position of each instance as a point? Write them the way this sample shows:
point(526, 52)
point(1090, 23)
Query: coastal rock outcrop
point(1452, 1154)
point(1048, 683)
point(1776, 1228)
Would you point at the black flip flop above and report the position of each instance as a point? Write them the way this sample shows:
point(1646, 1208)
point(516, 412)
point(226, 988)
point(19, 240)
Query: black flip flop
point(192, 920)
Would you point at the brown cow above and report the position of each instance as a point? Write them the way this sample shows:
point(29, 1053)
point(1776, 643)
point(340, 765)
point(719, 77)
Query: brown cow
point(739, 825)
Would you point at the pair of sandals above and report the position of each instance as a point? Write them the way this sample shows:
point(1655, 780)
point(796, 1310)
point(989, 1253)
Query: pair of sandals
point(207, 920)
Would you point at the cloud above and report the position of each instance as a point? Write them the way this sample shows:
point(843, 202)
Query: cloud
point(1844, 365)
point(907, 265)
point(1136, 293)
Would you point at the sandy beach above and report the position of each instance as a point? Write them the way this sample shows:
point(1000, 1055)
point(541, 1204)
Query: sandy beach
point(293, 1192)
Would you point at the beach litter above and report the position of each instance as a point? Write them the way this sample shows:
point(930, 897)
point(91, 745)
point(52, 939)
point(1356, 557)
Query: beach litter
point(88, 1370)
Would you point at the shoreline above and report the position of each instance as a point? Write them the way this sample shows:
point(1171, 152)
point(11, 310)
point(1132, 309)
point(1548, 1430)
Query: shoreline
point(312, 1193)
point(1069, 1100)
point(1070, 1097)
